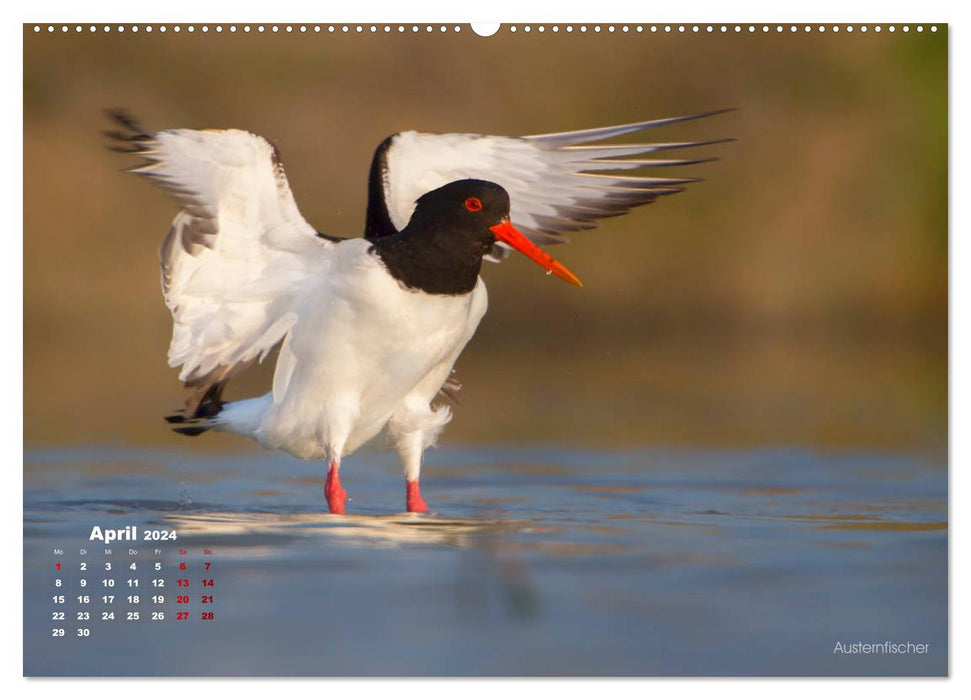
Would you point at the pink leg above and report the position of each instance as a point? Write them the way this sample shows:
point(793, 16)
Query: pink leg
point(335, 494)
point(413, 500)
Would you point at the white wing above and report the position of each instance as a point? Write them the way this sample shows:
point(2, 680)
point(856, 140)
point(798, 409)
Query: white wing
point(556, 182)
point(236, 255)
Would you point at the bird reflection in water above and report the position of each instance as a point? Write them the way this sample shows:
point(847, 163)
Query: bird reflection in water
point(491, 578)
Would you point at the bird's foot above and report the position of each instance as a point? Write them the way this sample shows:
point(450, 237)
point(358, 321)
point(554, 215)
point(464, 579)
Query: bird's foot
point(413, 500)
point(334, 493)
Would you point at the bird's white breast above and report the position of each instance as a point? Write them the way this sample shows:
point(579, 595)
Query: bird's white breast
point(361, 346)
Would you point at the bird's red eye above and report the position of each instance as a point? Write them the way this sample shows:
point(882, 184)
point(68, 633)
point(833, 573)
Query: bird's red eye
point(473, 204)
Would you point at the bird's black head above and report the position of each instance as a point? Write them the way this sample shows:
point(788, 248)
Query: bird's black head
point(440, 250)
point(465, 209)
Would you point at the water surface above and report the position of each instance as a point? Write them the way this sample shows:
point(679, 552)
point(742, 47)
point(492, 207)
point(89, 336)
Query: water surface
point(535, 561)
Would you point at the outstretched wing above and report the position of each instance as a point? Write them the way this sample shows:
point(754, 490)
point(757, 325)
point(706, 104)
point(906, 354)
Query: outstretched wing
point(236, 254)
point(557, 183)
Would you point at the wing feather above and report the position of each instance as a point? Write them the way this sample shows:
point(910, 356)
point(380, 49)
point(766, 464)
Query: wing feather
point(237, 254)
point(557, 183)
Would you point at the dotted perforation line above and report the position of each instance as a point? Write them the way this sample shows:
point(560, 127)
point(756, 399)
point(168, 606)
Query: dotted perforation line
point(717, 28)
point(249, 28)
point(442, 29)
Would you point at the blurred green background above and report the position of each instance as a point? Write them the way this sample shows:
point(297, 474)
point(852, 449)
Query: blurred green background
point(798, 296)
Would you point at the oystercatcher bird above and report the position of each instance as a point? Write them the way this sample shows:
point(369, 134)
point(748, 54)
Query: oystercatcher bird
point(368, 329)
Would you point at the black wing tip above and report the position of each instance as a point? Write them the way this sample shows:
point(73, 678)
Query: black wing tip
point(714, 112)
point(122, 117)
point(697, 144)
point(669, 121)
point(190, 427)
point(699, 115)
point(657, 163)
point(132, 137)
point(567, 139)
point(711, 142)
point(191, 432)
point(664, 192)
point(684, 162)
point(682, 181)
point(328, 237)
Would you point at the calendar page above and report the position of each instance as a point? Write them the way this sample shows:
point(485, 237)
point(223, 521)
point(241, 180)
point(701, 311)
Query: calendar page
point(355, 350)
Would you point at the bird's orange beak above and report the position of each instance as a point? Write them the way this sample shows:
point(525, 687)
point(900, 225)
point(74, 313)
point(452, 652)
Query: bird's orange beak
point(508, 234)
